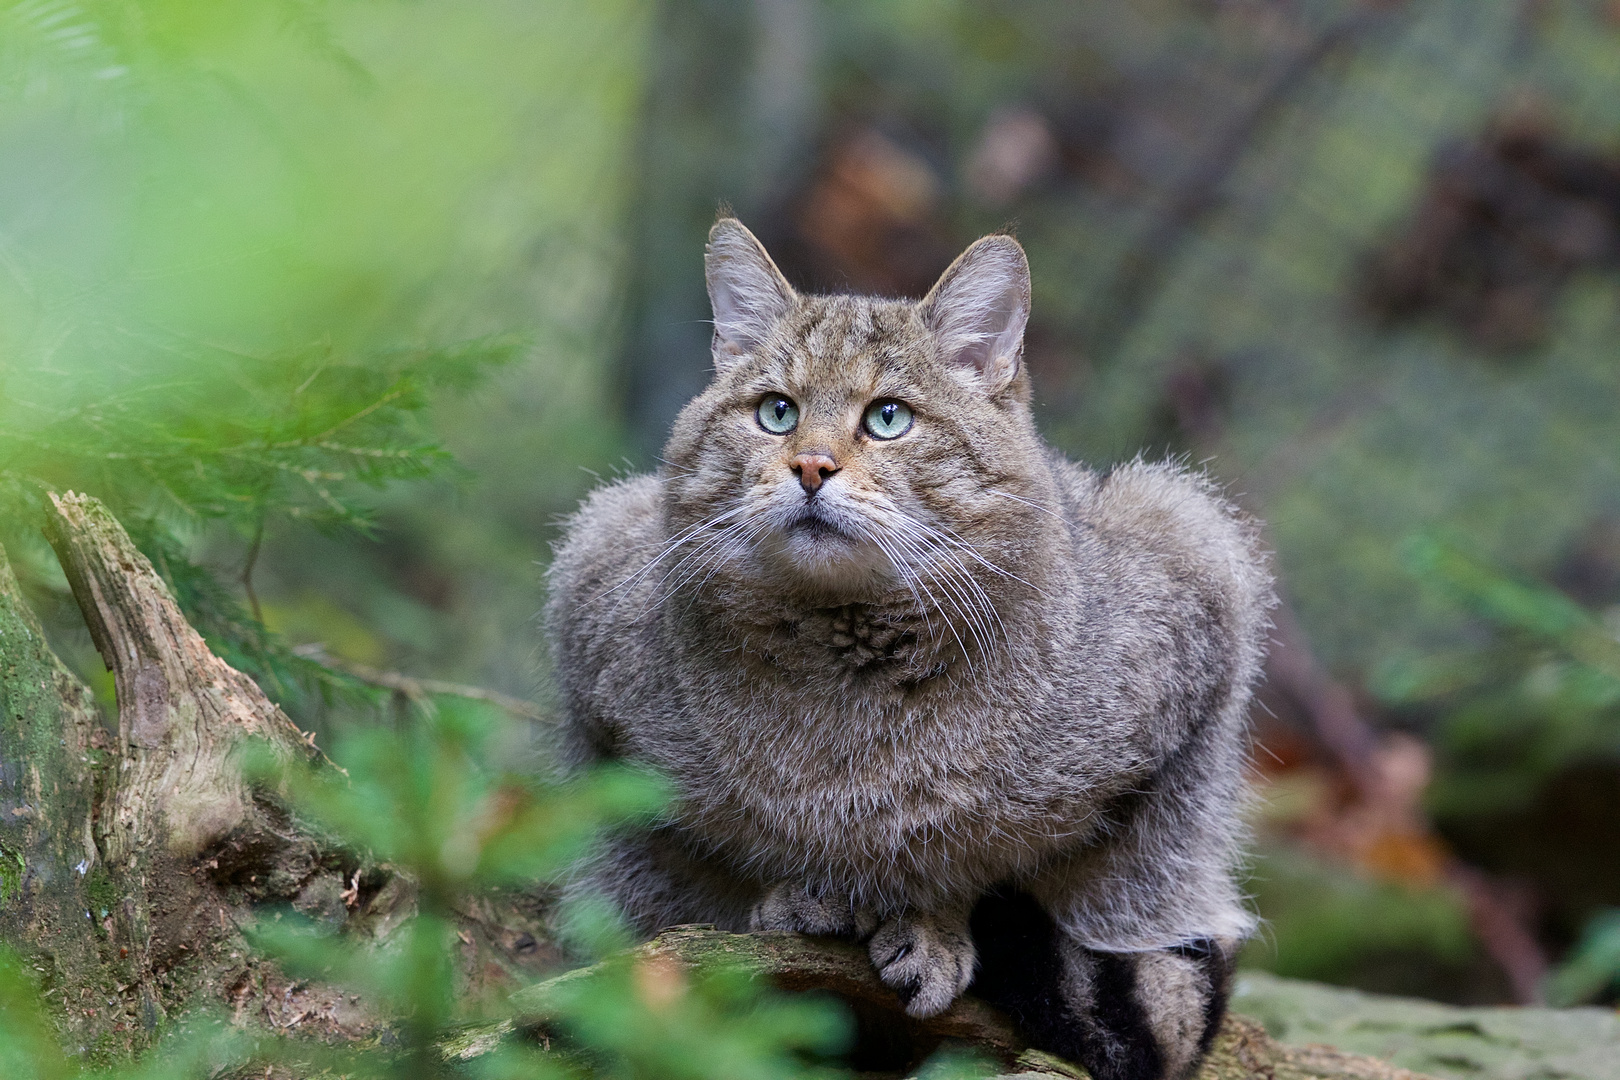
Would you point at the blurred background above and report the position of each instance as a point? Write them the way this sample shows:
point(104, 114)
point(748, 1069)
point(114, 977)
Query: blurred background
point(341, 304)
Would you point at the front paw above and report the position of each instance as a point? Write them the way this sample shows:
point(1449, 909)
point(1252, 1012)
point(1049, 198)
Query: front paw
point(927, 960)
point(793, 907)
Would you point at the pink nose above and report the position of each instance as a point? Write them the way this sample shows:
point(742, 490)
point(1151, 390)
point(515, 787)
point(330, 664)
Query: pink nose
point(812, 470)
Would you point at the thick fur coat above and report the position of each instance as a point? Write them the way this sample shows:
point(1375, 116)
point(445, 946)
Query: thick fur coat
point(917, 679)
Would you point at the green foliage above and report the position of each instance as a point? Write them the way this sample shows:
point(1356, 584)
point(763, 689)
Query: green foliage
point(436, 802)
point(186, 331)
point(213, 434)
point(442, 800)
point(244, 251)
point(1593, 967)
point(171, 441)
point(28, 1046)
point(1328, 922)
point(1542, 693)
point(440, 804)
point(651, 1021)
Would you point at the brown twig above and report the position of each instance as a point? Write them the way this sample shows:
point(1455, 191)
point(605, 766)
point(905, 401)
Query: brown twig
point(1328, 703)
point(421, 690)
point(1503, 932)
point(1354, 747)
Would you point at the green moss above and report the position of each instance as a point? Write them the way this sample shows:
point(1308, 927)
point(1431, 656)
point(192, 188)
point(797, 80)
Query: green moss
point(12, 868)
point(100, 891)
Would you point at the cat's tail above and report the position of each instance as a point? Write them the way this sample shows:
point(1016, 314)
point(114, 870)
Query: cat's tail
point(1124, 1016)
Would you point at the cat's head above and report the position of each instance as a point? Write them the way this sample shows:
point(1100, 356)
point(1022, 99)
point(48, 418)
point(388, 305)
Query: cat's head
point(853, 444)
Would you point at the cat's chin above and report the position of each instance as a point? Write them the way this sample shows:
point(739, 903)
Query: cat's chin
point(824, 560)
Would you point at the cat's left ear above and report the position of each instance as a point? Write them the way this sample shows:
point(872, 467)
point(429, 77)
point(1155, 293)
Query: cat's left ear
point(978, 310)
point(746, 291)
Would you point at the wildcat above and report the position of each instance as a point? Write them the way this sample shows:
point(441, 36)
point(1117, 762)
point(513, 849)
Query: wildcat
point(917, 679)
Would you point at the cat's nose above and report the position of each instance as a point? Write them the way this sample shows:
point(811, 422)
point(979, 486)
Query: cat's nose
point(813, 469)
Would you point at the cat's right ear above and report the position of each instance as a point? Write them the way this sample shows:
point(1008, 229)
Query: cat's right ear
point(746, 291)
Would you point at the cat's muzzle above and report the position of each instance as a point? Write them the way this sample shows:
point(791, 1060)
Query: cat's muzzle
point(812, 522)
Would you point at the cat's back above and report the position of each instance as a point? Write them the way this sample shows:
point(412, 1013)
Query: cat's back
point(1179, 584)
point(1165, 520)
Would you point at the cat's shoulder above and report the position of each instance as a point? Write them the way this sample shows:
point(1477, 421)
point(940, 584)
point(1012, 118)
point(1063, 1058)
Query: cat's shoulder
point(1166, 497)
point(1160, 505)
point(617, 523)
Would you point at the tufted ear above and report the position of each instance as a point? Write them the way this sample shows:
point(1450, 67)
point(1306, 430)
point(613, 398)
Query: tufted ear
point(746, 291)
point(977, 311)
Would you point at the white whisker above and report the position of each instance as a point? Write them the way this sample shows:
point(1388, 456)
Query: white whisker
point(970, 592)
point(669, 547)
point(1032, 504)
point(954, 595)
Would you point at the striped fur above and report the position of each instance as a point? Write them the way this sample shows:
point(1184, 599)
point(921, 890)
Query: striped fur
point(957, 663)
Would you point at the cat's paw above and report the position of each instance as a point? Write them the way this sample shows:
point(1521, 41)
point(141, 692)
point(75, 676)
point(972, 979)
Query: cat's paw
point(927, 960)
point(792, 907)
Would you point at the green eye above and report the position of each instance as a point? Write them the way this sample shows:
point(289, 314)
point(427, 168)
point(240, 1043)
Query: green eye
point(777, 414)
point(888, 419)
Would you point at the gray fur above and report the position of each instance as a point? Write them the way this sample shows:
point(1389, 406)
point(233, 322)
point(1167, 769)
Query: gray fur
point(788, 905)
point(927, 956)
point(987, 665)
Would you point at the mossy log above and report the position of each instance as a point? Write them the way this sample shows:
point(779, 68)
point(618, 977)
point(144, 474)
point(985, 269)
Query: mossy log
point(129, 839)
point(1502, 1042)
point(888, 1038)
point(52, 888)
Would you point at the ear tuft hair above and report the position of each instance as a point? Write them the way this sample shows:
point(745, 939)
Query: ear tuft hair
point(978, 310)
point(747, 293)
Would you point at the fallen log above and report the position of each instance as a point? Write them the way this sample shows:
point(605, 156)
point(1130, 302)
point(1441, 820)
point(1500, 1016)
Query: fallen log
point(889, 1039)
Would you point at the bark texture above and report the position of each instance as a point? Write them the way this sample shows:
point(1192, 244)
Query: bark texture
point(182, 711)
point(53, 892)
point(169, 792)
point(129, 862)
point(140, 853)
point(890, 1039)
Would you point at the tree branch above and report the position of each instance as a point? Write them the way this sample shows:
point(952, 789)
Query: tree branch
point(793, 962)
point(420, 690)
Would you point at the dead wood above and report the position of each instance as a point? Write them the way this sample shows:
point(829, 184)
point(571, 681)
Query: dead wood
point(131, 861)
point(52, 894)
point(182, 713)
point(421, 691)
point(887, 1037)
point(147, 848)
